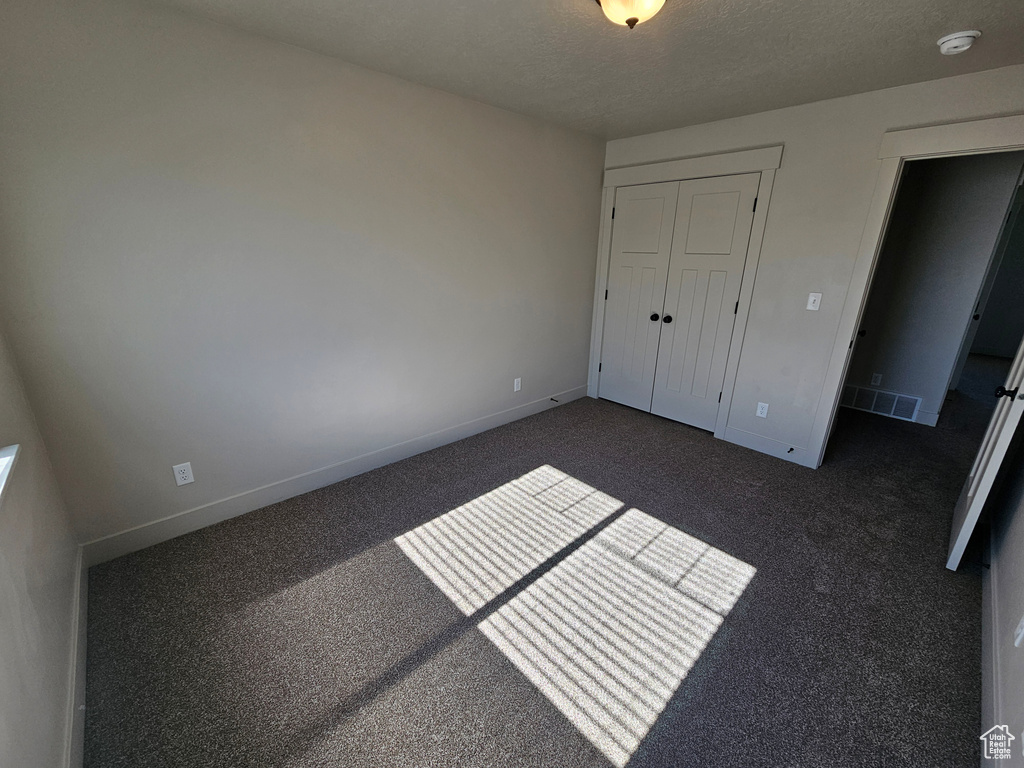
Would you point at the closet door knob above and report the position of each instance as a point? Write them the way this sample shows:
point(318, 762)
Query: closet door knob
point(668, 318)
point(654, 317)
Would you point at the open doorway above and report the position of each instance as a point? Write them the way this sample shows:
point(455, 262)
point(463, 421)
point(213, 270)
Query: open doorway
point(898, 149)
point(944, 318)
point(942, 321)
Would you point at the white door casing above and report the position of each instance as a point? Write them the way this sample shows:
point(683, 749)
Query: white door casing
point(709, 250)
point(641, 244)
point(986, 466)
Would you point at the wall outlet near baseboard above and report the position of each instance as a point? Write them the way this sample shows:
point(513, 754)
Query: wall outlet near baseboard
point(762, 410)
point(517, 384)
point(876, 379)
point(183, 473)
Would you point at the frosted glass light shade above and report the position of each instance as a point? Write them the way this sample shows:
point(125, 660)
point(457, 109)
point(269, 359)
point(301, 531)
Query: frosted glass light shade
point(629, 13)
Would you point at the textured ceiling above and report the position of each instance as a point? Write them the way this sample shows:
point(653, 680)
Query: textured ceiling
point(698, 60)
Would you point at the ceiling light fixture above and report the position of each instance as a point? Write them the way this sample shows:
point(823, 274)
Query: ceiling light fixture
point(629, 13)
point(958, 42)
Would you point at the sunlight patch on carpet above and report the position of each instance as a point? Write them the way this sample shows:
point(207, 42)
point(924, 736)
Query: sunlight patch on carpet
point(478, 550)
point(610, 632)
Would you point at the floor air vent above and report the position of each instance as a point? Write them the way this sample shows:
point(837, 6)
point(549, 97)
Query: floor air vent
point(885, 403)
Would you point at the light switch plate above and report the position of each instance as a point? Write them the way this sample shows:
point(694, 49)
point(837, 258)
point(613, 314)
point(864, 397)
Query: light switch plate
point(813, 301)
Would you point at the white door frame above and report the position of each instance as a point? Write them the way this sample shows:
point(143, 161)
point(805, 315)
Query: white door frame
point(765, 160)
point(998, 134)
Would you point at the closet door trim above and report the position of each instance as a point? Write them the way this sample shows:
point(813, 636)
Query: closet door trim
point(703, 166)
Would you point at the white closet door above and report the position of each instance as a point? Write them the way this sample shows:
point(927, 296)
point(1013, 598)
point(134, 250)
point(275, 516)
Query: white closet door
point(641, 242)
point(709, 250)
point(994, 447)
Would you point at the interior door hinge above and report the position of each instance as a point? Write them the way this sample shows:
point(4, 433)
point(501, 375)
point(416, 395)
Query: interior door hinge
point(755, 204)
point(719, 397)
point(599, 367)
point(613, 212)
point(736, 309)
point(606, 294)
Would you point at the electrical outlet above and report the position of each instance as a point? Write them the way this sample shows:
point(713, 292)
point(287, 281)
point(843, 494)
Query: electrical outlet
point(517, 384)
point(1018, 635)
point(762, 410)
point(814, 301)
point(876, 379)
point(183, 473)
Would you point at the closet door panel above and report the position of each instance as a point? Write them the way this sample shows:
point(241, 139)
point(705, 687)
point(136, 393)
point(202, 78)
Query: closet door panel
point(712, 231)
point(641, 244)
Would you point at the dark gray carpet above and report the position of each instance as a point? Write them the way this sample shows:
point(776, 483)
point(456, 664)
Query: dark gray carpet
point(301, 635)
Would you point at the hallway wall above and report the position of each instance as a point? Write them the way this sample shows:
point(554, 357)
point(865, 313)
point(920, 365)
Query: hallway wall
point(1002, 323)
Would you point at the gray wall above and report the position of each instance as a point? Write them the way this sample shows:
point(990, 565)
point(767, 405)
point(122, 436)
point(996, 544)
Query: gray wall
point(1002, 323)
point(942, 235)
point(38, 555)
point(234, 252)
point(818, 210)
point(1003, 606)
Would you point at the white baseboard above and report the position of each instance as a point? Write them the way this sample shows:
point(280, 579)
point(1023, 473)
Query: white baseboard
point(142, 536)
point(772, 447)
point(74, 737)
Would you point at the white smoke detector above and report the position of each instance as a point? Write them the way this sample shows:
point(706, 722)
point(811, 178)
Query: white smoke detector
point(958, 42)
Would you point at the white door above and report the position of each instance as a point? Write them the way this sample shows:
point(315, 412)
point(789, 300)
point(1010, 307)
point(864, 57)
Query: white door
point(990, 458)
point(641, 242)
point(709, 249)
